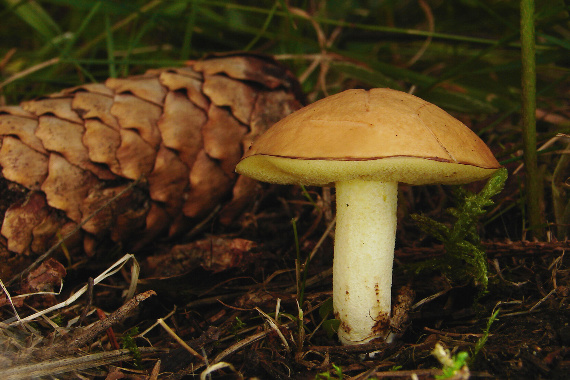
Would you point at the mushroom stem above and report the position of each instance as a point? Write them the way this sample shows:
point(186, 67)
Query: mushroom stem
point(363, 256)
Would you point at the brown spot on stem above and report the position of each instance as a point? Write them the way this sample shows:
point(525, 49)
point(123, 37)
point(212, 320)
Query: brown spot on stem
point(382, 323)
point(344, 327)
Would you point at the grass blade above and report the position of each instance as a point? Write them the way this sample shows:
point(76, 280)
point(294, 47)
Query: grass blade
point(36, 17)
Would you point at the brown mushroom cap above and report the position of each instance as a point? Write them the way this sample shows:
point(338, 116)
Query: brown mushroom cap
point(380, 134)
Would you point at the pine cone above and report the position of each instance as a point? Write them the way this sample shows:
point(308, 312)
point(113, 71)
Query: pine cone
point(182, 130)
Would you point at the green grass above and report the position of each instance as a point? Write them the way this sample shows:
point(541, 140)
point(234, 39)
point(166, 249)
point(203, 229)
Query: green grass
point(469, 62)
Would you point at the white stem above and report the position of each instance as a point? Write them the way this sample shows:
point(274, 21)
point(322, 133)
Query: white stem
point(363, 256)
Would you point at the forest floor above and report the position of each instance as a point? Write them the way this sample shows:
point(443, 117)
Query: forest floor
point(233, 304)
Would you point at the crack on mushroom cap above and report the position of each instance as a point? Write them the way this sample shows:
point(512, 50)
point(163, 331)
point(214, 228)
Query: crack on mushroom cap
point(432, 132)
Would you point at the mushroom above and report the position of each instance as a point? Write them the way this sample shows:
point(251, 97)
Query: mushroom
point(365, 142)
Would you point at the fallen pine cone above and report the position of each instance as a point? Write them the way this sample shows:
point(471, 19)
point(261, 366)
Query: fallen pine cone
point(180, 130)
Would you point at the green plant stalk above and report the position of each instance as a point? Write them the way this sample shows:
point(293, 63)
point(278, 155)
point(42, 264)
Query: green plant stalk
point(68, 46)
point(300, 287)
point(110, 47)
point(263, 29)
point(189, 32)
point(529, 117)
point(309, 198)
point(560, 194)
point(144, 9)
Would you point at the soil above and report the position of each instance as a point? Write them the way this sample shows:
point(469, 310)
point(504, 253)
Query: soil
point(220, 298)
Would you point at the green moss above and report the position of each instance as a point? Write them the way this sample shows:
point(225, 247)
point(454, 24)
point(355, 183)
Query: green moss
point(128, 342)
point(464, 256)
point(336, 375)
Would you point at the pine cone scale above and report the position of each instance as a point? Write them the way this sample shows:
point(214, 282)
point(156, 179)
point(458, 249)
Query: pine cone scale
point(208, 185)
point(168, 179)
point(135, 156)
point(22, 164)
point(66, 186)
point(20, 221)
point(181, 127)
point(145, 87)
point(139, 115)
point(23, 127)
point(58, 107)
point(220, 134)
point(102, 143)
point(237, 95)
point(187, 80)
point(92, 105)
